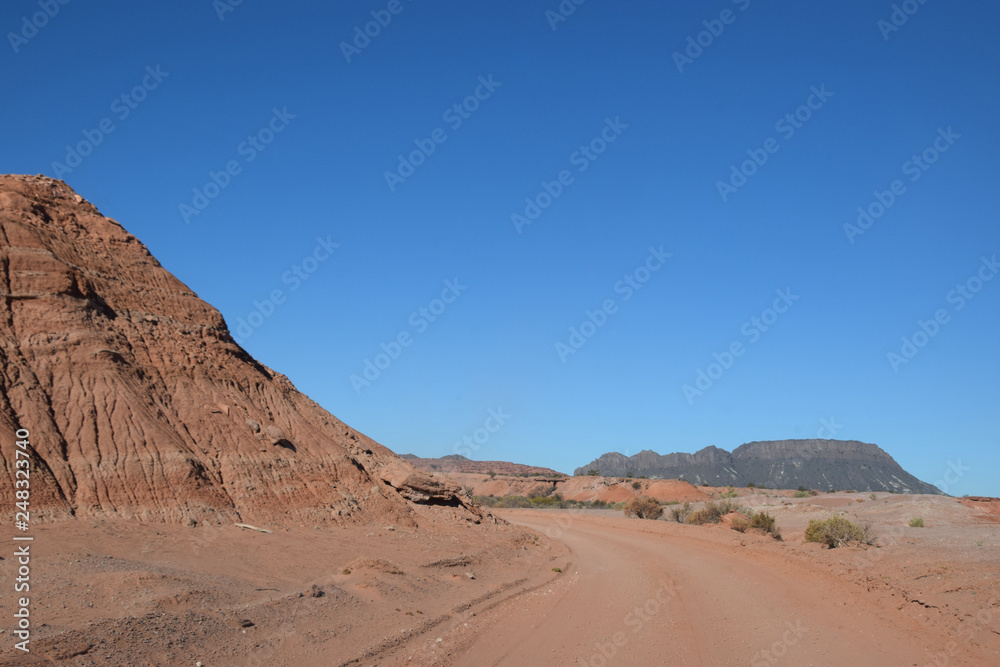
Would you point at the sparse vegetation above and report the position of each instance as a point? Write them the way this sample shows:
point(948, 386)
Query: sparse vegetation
point(801, 494)
point(712, 512)
point(980, 543)
point(838, 531)
point(643, 507)
point(916, 522)
point(761, 522)
point(346, 570)
point(873, 496)
point(592, 473)
point(491, 473)
point(555, 501)
point(681, 514)
point(730, 492)
point(636, 485)
point(557, 570)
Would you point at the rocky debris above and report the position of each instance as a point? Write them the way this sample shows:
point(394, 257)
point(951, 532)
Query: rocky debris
point(419, 487)
point(141, 405)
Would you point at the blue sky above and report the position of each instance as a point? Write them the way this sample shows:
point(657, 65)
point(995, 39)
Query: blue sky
point(739, 138)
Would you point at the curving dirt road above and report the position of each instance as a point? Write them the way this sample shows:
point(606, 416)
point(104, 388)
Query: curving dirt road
point(654, 593)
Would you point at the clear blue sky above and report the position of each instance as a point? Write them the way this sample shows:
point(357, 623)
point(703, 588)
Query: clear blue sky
point(672, 130)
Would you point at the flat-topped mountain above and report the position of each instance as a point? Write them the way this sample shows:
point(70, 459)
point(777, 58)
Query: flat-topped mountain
point(783, 464)
point(140, 404)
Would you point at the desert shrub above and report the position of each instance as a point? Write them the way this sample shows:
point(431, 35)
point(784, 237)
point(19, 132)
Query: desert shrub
point(730, 492)
point(557, 570)
point(801, 494)
point(637, 485)
point(837, 532)
point(916, 522)
point(874, 496)
point(681, 514)
point(592, 473)
point(751, 485)
point(543, 501)
point(643, 507)
point(711, 513)
point(761, 522)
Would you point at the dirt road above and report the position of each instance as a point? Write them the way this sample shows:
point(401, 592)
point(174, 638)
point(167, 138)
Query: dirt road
point(654, 593)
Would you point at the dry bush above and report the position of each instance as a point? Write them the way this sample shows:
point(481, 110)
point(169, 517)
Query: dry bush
point(917, 522)
point(838, 531)
point(681, 514)
point(760, 522)
point(711, 513)
point(643, 507)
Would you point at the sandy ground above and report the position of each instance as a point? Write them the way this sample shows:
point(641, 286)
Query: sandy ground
point(629, 591)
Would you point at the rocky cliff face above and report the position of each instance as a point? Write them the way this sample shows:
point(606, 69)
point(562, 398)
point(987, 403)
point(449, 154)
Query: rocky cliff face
point(783, 464)
point(140, 404)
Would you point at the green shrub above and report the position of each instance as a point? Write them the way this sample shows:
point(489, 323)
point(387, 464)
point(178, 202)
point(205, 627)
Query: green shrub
point(637, 485)
point(557, 570)
point(643, 507)
point(593, 473)
point(837, 532)
point(801, 494)
point(916, 522)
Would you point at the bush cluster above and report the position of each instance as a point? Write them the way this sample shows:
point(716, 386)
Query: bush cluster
point(545, 502)
point(643, 507)
point(760, 522)
point(838, 531)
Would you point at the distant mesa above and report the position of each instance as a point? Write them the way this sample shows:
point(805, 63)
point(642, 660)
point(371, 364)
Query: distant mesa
point(777, 464)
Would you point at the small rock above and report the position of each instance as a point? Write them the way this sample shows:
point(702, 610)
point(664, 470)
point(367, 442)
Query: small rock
point(246, 623)
point(470, 575)
point(316, 591)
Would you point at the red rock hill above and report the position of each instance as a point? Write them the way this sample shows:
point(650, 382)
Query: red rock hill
point(141, 405)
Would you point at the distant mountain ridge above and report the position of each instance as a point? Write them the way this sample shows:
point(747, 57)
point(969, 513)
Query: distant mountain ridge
point(783, 464)
point(458, 463)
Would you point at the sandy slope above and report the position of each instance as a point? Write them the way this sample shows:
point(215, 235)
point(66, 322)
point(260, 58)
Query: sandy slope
point(636, 592)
